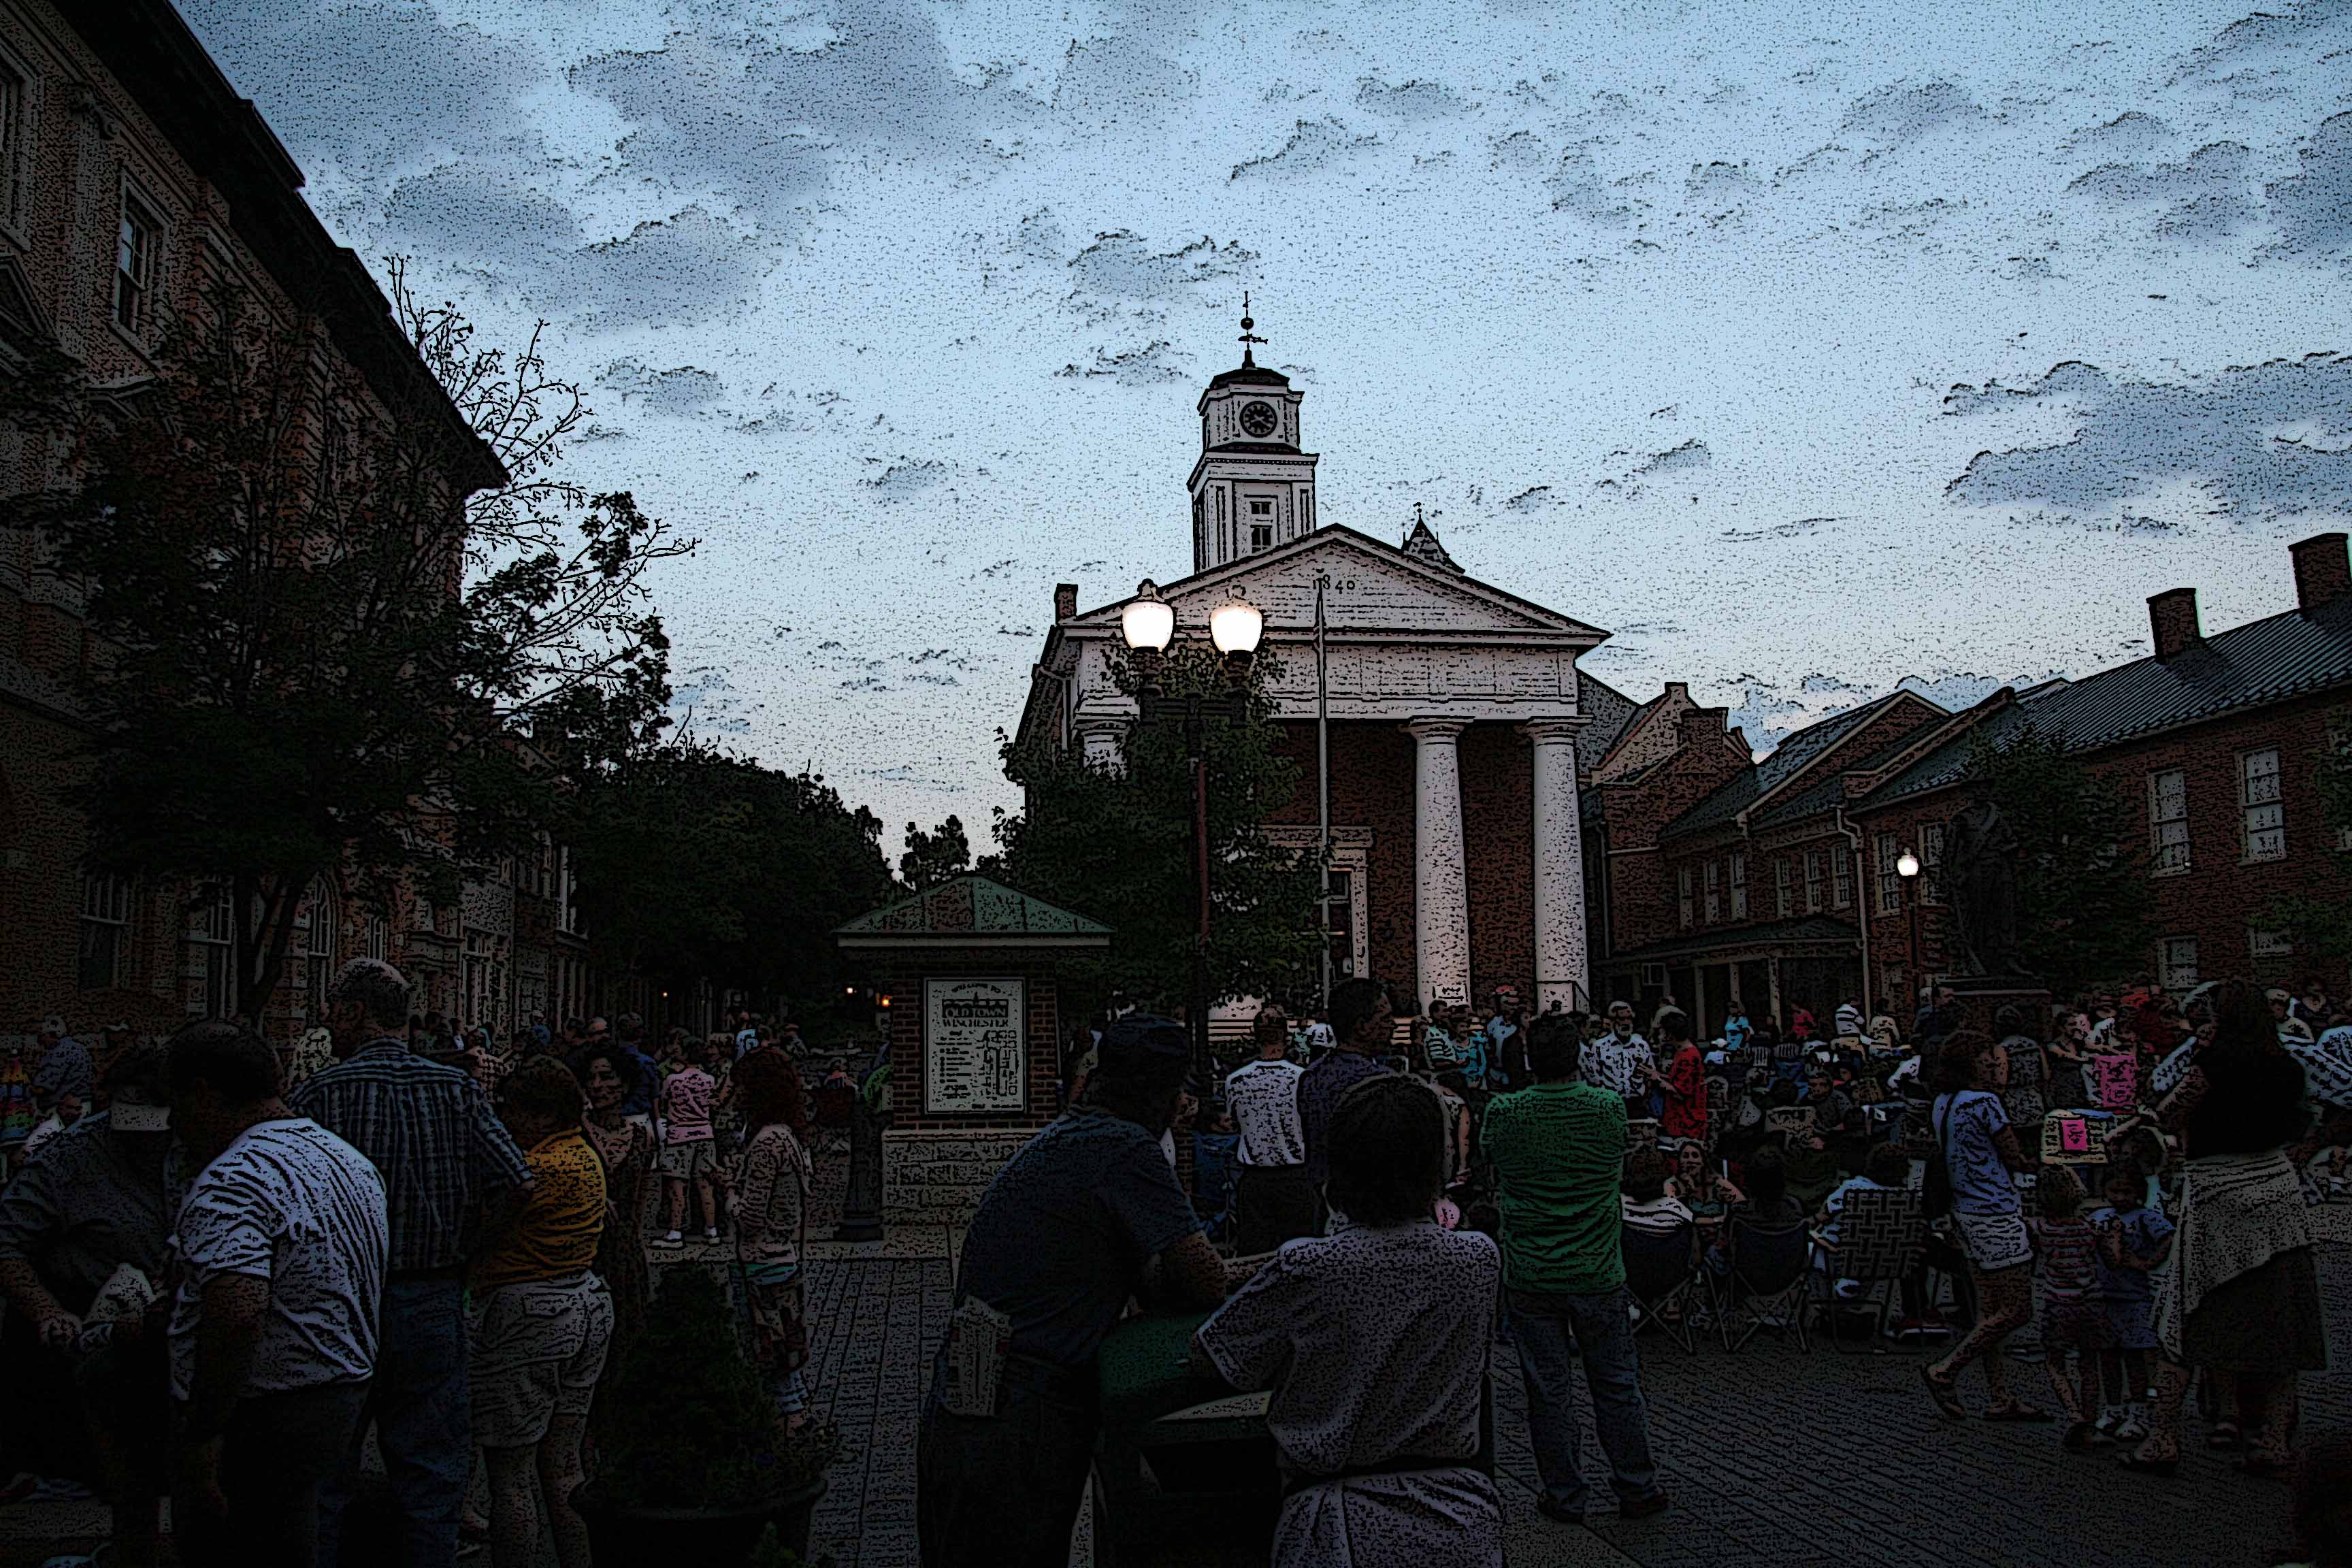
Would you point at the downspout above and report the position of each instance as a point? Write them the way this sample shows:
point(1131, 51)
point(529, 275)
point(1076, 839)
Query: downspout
point(1862, 897)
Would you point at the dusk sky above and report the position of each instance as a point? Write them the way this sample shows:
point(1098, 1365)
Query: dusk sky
point(1805, 349)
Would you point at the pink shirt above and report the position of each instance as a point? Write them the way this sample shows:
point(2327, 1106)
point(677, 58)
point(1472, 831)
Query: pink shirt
point(686, 1106)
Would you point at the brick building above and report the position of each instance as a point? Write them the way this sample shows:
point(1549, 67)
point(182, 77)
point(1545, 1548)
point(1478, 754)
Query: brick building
point(134, 178)
point(1778, 882)
point(1460, 728)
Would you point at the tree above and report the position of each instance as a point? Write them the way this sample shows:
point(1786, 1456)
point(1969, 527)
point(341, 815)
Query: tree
point(1116, 844)
point(692, 863)
point(2324, 925)
point(303, 664)
point(2085, 913)
point(936, 856)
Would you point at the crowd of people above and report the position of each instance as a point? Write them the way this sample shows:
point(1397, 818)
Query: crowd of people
point(225, 1263)
point(1374, 1202)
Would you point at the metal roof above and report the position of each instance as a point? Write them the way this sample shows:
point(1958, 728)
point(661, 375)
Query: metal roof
point(970, 907)
point(1827, 792)
point(2270, 661)
point(1744, 788)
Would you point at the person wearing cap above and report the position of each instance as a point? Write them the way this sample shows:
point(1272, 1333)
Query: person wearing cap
point(93, 1202)
point(1086, 1216)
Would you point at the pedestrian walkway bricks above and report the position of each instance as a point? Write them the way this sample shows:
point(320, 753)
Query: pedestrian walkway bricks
point(1773, 1457)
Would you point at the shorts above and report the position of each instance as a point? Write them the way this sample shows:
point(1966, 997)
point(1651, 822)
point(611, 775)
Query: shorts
point(1993, 1241)
point(2129, 1324)
point(539, 1348)
point(2074, 1323)
point(685, 1162)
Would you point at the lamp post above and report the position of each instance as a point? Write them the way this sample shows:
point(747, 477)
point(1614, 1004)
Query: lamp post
point(1906, 866)
point(1147, 623)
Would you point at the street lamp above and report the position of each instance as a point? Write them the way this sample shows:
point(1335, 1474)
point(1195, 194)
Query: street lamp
point(1906, 866)
point(1146, 623)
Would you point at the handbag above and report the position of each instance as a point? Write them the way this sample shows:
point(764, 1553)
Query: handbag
point(1936, 1186)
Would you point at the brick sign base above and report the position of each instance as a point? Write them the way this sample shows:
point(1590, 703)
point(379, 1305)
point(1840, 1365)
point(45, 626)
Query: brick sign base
point(936, 1175)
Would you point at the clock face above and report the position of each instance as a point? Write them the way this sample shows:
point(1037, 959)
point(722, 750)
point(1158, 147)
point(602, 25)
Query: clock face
point(1259, 420)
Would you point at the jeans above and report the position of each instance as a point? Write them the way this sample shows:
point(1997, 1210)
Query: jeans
point(419, 1406)
point(1003, 1490)
point(277, 1450)
point(1551, 1329)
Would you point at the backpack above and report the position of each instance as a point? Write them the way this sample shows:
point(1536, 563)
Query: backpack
point(1936, 1186)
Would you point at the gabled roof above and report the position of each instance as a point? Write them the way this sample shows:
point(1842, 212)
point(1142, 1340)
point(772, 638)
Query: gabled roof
point(1610, 711)
point(1825, 792)
point(1793, 754)
point(2270, 661)
point(972, 911)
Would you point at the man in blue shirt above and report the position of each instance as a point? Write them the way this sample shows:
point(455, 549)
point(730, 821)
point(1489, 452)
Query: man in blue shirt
point(1361, 1025)
point(1086, 1216)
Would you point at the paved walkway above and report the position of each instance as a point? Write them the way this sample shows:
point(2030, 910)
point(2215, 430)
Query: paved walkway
point(1774, 1457)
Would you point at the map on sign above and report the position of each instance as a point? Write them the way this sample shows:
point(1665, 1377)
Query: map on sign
point(973, 1055)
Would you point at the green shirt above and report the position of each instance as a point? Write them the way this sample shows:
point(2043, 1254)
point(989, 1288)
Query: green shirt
point(1560, 1152)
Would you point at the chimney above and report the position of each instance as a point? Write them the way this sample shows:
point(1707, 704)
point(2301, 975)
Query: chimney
point(1678, 691)
point(1066, 601)
point(2323, 571)
point(2172, 619)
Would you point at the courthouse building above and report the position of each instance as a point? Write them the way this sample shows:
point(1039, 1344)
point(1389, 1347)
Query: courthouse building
point(1460, 725)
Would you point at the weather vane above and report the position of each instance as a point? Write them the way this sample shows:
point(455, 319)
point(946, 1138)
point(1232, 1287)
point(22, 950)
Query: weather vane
point(1248, 337)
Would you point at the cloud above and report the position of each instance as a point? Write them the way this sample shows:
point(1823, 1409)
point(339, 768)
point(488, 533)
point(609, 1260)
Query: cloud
point(2201, 199)
point(344, 82)
point(1154, 364)
point(2131, 134)
point(2256, 48)
point(1107, 82)
point(1535, 497)
point(681, 390)
point(906, 477)
point(1897, 114)
point(1691, 454)
point(1124, 264)
point(481, 211)
point(690, 268)
point(2313, 207)
point(1576, 187)
point(2256, 441)
point(1408, 101)
point(1314, 144)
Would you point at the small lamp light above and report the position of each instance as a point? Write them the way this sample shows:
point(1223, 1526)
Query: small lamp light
point(1146, 622)
point(1235, 627)
point(1907, 864)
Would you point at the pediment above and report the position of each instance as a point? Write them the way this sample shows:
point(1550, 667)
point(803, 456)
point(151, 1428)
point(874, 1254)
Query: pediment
point(1375, 589)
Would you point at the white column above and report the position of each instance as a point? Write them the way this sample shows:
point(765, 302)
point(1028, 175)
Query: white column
point(1563, 963)
point(1440, 903)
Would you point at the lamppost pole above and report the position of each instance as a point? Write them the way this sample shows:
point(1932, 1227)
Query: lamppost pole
point(1906, 866)
point(1196, 749)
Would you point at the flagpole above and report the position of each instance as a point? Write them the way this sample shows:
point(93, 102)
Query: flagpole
point(1323, 785)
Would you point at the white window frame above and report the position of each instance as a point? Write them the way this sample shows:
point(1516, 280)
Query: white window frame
point(210, 950)
point(1931, 863)
point(1841, 875)
point(1812, 881)
point(18, 116)
point(2261, 807)
point(1784, 892)
point(2168, 822)
point(1713, 871)
point(2261, 943)
point(106, 905)
point(2176, 962)
point(130, 200)
point(1683, 892)
point(1738, 880)
point(375, 938)
point(1885, 850)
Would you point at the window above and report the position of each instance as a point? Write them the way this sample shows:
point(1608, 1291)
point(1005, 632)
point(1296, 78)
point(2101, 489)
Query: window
point(1714, 891)
point(1343, 924)
point(1738, 886)
point(1841, 877)
point(375, 938)
point(2269, 943)
point(317, 922)
point(1885, 850)
point(15, 121)
point(2258, 797)
point(1784, 901)
point(1931, 862)
point(211, 924)
point(1261, 506)
point(2176, 962)
point(1261, 536)
point(1683, 888)
point(1812, 881)
point(138, 249)
point(2168, 822)
point(105, 931)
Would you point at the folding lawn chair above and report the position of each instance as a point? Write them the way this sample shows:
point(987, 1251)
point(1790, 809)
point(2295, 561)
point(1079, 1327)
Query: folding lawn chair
point(1770, 1275)
point(1880, 1236)
point(1660, 1270)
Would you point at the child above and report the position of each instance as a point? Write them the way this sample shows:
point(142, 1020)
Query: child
point(2073, 1314)
point(2133, 1239)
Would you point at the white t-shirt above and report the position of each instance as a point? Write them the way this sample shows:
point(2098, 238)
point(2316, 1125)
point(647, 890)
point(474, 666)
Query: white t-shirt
point(1263, 1098)
point(1320, 1038)
point(290, 1202)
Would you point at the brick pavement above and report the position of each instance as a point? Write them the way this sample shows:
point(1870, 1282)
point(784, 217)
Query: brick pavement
point(1773, 1457)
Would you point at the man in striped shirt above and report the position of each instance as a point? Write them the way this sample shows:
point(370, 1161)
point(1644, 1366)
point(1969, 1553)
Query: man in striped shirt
point(454, 1180)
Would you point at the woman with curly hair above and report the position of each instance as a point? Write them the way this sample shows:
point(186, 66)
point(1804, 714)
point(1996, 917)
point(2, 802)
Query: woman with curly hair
point(771, 1227)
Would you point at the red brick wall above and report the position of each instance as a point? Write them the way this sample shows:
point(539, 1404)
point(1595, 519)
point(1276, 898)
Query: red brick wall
point(1641, 888)
point(1498, 835)
point(1371, 787)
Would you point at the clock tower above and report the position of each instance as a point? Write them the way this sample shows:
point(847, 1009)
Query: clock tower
point(1252, 488)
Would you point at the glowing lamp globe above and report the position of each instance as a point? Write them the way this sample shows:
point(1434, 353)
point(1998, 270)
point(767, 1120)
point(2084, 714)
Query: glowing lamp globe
point(1146, 622)
point(1235, 627)
point(1907, 864)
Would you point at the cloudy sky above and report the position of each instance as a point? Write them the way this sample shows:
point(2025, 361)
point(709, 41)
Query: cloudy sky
point(1807, 349)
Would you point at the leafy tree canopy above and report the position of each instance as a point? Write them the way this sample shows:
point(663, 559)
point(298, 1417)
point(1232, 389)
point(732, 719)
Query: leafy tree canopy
point(939, 855)
point(2324, 925)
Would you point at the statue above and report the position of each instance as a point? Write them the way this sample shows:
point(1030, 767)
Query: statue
point(1980, 876)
